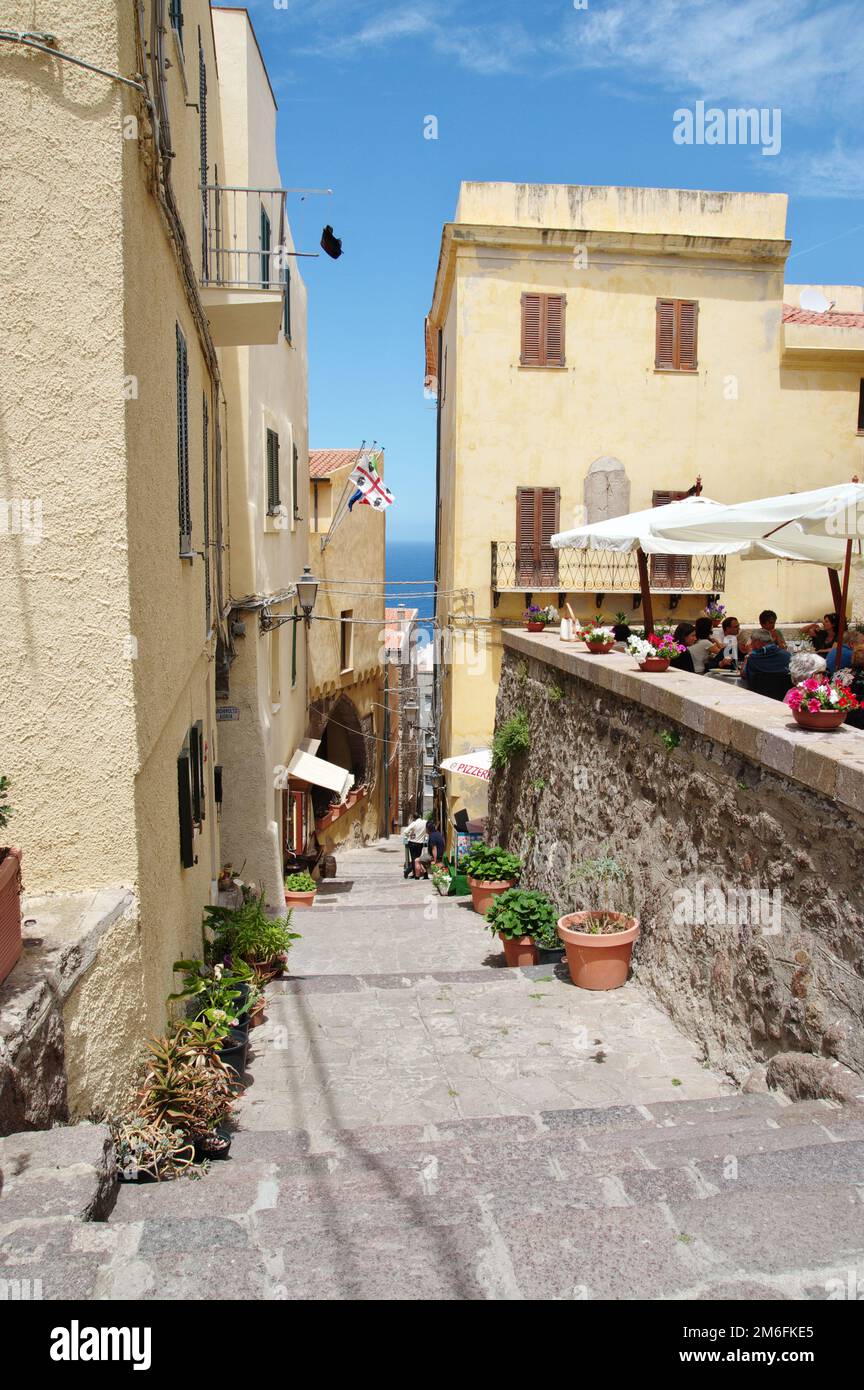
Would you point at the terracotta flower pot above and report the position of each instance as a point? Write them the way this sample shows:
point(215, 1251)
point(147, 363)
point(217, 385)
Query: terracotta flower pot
point(519, 950)
point(482, 892)
point(256, 1013)
point(654, 663)
point(599, 648)
point(10, 911)
point(299, 899)
point(601, 961)
point(536, 627)
point(819, 719)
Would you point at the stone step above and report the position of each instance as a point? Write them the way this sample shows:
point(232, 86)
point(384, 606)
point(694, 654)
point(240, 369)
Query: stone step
point(66, 1171)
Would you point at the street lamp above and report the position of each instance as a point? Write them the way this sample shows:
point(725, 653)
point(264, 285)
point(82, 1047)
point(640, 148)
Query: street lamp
point(307, 592)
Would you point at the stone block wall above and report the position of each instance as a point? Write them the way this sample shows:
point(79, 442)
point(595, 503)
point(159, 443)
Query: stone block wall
point(742, 833)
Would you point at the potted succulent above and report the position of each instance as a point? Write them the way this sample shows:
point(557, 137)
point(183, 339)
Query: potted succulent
point(820, 703)
point(537, 619)
point(598, 940)
point(490, 870)
point(189, 1086)
point(300, 890)
point(526, 922)
point(654, 653)
point(10, 892)
point(150, 1150)
point(598, 638)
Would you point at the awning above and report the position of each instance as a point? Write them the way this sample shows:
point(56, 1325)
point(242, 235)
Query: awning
point(307, 768)
point(477, 764)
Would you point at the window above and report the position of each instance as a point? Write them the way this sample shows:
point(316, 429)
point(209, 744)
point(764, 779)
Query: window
point(183, 445)
point(675, 336)
point(669, 571)
point(265, 250)
point(190, 790)
point(196, 759)
point(543, 330)
point(286, 303)
point(295, 483)
point(346, 640)
point(205, 423)
point(272, 471)
point(294, 650)
point(176, 16)
point(537, 511)
point(861, 407)
point(275, 671)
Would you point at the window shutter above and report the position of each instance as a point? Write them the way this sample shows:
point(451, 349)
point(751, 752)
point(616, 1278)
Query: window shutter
point(688, 314)
point(265, 249)
point(294, 650)
point(554, 330)
point(531, 315)
point(524, 535)
point(669, 571)
point(196, 762)
point(272, 471)
point(548, 499)
point(286, 306)
point(295, 497)
point(664, 354)
point(176, 16)
point(205, 424)
point(184, 790)
point(202, 110)
point(183, 444)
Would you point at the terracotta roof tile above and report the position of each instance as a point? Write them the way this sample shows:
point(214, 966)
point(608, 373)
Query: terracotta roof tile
point(395, 634)
point(323, 462)
point(830, 319)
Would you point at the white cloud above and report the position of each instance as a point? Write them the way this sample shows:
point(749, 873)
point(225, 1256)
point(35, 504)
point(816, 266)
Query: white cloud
point(836, 173)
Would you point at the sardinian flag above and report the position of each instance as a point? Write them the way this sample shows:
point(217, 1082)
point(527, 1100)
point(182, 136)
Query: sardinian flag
point(370, 489)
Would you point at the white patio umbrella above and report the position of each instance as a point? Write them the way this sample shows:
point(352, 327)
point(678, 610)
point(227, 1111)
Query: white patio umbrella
point(821, 526)
point(477, 764)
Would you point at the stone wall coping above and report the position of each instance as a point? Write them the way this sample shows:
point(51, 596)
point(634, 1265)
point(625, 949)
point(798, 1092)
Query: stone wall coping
point(763, 730)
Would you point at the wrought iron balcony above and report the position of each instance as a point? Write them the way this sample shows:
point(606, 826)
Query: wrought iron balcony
point(242, 262)
point(602, 572)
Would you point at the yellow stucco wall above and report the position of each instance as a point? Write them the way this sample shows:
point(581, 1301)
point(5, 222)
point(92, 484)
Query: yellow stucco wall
point(750, 421)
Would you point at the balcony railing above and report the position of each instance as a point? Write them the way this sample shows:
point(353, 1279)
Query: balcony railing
point(572, 571)
point(242, 237)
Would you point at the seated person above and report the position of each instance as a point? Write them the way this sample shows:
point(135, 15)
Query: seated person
point(831, 658)
point(824, 637)
point(622, 634)
point(855, 717)
point(731, 628)
point(804, 664)
point(704, 647)
point(434, 842)
point(768, 620)
point(685, 635)
point(766, 670)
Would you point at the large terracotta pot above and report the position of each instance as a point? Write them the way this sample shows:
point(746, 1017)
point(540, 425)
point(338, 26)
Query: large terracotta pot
point(599, 648)
point(654, 663)
point(293, 899)
point(10, 911)
point(519, 950)
point(598, 962)
point(819, 719)
point(482, 892)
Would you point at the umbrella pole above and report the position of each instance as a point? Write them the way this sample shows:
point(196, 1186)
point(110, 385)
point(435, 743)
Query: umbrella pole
point(836, 593)
point(645, 590)
point(841, 612)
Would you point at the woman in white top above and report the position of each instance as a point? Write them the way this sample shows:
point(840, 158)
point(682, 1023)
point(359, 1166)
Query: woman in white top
point(414, 836)
point(704, 647)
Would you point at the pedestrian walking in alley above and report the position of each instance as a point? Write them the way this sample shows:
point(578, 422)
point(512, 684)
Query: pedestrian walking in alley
point(414, 836)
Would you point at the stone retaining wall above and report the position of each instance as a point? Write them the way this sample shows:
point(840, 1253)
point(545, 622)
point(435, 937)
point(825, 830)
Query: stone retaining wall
point(697, 786)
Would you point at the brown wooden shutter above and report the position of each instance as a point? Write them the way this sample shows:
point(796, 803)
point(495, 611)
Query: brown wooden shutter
point(664, 353)
point(524, 535)
point(537, 513)
point(531, 341)
point(669, 571)
point(688, 315)
point(554, 330)
point(548, 503)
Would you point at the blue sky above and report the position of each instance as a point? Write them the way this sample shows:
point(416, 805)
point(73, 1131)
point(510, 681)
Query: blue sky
point(538, 91)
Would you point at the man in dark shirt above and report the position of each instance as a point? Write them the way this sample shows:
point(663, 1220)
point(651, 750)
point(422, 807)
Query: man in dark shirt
point(766, 670)
point(434, 842)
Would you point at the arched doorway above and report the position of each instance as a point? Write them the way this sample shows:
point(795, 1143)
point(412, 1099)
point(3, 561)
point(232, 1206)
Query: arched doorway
point(343, 741)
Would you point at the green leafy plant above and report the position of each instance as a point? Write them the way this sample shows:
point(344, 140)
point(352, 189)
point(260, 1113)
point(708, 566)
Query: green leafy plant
point(521, 672)
point(554, 693)
point(670, 738)
point(621, 618)
point(491, 864)
point(604, 888)
point(5, 808)
point(538, 784)
point(511, 740)
point(186, 1084)
point(300, 883)
point(215, 991)
point(440, 878)
point(247, 933)
point(525, 912)
point(149, 1148)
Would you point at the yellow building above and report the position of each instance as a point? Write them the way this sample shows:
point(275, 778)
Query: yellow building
point(129, 274)
point(346, 647)
point(593, 350)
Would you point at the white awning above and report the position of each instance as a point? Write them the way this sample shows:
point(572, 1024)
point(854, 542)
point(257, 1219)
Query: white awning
point(307, 768)
point(477, 764)
point(638, 530)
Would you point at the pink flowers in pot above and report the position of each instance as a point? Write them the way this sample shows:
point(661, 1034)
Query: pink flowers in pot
point(818, 693)
point(658, 648)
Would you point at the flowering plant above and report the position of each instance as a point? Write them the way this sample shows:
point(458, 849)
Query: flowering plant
point(661, 648)
point(597, 632)
point(715, 610)
point(535, 614)
point(818, 693)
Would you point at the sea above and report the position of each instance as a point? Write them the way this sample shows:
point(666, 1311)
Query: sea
point(410, 575)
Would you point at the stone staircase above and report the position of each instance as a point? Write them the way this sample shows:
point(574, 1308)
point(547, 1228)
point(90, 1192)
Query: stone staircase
point(736, 1197)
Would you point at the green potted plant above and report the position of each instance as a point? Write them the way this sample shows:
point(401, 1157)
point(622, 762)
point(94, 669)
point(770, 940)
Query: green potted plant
point(440, 876)
point(10, 892)
point(300, 890)
point(598, 638)
point(537, 619)
point(150, 1150)
point(217, 993)
point(189, 1086)
point(598, 938)
point(248, 934)
point(526, 922)
point(490, 870)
